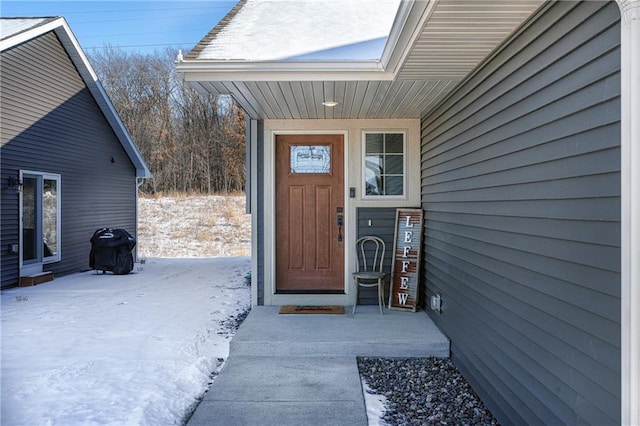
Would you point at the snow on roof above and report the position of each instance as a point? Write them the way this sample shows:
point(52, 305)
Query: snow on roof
point(325, 30)
point(12, 26)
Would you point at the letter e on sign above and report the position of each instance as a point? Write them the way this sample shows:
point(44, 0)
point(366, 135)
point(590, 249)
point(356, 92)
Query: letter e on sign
point(404, 283)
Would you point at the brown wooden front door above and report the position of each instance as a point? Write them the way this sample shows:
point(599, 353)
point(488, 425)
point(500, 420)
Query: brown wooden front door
point(309, 207)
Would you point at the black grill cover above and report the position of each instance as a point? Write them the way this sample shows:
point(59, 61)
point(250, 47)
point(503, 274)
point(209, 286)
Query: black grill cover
point(111, 251)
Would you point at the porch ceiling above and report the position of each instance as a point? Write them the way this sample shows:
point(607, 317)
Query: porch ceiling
point(432, 46)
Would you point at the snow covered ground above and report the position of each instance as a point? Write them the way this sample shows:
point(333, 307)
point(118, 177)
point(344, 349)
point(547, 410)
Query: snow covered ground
point(193, 226)
point(139, 349)
point(101, 349)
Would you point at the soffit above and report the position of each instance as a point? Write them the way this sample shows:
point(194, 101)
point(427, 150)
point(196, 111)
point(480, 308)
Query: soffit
point(356, 99)
point(449, 40)
point(459, 34)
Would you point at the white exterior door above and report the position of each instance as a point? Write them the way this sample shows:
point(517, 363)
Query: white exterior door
point(39, 221)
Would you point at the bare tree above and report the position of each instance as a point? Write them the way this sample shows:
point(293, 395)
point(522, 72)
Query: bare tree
point(192, 142)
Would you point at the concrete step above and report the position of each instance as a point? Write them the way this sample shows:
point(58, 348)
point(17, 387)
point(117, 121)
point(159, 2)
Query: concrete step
point(284, 391)
point(367, 333)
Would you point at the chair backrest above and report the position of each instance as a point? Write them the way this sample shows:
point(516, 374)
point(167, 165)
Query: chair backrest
point(369, 254)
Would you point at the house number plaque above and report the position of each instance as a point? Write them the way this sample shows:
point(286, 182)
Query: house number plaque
point(405, 269)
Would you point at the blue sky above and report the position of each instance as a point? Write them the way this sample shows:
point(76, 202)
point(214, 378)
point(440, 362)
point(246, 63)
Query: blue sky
point(135, 26)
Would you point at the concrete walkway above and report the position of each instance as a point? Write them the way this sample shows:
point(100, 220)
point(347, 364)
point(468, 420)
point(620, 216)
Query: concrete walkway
point(302, 370)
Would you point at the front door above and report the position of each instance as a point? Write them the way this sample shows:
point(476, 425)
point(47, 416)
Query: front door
point(309, 214)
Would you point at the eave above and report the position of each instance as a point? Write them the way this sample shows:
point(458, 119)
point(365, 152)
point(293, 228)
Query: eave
point(211, 70)
point(432, 47)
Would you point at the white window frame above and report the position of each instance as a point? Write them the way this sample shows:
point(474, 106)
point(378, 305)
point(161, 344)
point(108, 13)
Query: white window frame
point(58, 179)
point(363, 187)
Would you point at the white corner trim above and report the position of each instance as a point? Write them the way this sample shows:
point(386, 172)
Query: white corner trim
point(630, 211)
point(253, 134)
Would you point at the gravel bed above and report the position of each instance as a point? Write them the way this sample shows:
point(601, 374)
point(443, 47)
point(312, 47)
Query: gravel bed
point(424, 391)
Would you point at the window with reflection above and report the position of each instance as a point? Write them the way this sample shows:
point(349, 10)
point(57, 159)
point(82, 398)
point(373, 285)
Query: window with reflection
point(384, 164)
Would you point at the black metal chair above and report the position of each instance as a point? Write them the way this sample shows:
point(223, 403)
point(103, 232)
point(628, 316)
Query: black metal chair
point(370, 259)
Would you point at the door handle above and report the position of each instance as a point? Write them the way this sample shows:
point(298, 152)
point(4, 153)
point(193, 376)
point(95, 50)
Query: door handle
point(340, 223)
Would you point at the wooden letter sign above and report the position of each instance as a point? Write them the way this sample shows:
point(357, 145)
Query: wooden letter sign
point(405, 269)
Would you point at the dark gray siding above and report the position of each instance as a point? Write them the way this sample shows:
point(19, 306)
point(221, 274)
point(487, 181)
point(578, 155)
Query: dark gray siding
point(521, 190)
point(383, 226)
point(51, 123)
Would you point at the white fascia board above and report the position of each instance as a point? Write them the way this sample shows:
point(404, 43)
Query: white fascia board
point(282, 71)
point(411, 18)
point(30, 33)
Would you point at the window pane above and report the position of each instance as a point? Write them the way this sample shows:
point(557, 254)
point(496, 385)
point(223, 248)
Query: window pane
point(372, 174)
point(393, 143)
point(310, 159)
point(374, 164)
point(50, 218)
point(393, 185)
point(393, 165)
point(29, 218)
point(374, 143)
point(374, 187)
point(384, 164)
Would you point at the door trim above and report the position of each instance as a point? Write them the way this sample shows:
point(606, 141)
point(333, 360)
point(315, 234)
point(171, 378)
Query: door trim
point(36, 266)
point(311, 253)
point(271, 297)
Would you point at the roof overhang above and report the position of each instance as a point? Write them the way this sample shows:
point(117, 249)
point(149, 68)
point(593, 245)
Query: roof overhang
point(212, 70)
point(62, 30)
point(432, 46)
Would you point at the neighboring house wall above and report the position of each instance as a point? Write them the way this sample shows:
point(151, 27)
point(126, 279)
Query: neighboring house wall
point(51, 123)
point(521, 191)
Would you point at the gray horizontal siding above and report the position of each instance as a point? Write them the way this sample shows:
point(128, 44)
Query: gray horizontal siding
point(383, 220)
point(51, 123)
point(521, 192)
point(9, 269)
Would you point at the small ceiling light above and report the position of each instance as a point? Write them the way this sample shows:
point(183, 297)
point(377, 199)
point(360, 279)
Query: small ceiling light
point(330, 104)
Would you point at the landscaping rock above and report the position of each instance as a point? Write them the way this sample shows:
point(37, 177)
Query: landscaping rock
point(424, 391)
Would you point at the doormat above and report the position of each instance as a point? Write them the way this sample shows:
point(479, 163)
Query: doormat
point(303, 309)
